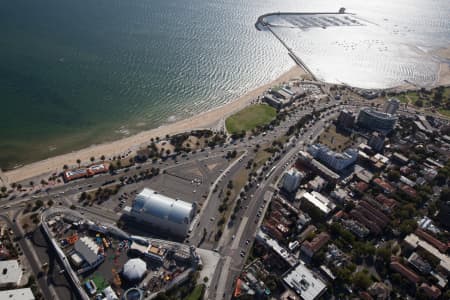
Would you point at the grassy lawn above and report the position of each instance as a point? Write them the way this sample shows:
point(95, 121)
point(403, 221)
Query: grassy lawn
point(444, 112)
point(196, 293)
point(334, 140)
point(402, 99)
point(250, 117)
point(261, 157)
point(427, 99)
point(124, 163)
point(100, 282)
point(239, 180)
point(409, 97)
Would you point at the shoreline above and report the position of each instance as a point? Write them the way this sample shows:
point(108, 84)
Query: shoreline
point(210, 119)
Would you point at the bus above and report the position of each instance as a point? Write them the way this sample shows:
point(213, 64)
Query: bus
point(270, 172)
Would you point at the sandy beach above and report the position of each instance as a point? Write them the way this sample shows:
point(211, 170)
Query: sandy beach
point(444, 68)
point(210, 119)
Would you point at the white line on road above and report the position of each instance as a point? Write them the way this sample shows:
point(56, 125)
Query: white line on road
point(223, 278)
point(239, 233)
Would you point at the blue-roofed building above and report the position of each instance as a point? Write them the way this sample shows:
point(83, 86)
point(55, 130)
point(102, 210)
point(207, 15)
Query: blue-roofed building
point(173, 216)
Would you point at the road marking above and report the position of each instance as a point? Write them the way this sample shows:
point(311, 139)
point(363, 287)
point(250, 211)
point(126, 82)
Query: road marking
point(223, 278)
point(239, 233)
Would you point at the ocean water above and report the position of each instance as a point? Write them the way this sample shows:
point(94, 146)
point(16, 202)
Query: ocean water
point(77, 73)
point(385, 50)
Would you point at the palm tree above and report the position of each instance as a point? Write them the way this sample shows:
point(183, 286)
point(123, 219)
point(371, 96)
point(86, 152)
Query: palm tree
point(65, 167)
point(92, 159)
point(79, 162)
point(102, 158)
point(32, 184)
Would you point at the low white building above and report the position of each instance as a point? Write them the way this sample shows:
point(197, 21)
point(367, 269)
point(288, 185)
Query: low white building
point(110, 294)
point(172, 216)
point(17, 294)
point(318, 200)
point(317, 184)
point(340, 195)
point(291, 179)
point(305, 283)
point(88, 249)
point(413, 241)
point(10, 273)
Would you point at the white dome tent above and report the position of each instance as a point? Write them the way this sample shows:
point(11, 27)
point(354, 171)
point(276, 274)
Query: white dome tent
point(134, 269)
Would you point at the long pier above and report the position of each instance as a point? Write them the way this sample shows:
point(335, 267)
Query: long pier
point(291, 53)
point(261, 23)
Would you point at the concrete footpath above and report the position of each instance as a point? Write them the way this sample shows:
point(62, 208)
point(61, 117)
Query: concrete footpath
point(210, 260)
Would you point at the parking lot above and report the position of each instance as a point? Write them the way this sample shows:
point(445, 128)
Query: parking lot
point(188, 181)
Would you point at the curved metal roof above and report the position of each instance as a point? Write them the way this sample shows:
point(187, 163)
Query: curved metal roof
point(378, 114)
point(150, 202)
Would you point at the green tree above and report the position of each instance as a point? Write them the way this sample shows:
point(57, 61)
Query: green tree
point(161, 296)
point(394, 175)
point(39, 203)
point(361, 280)
point(408, 226)
point(445, 195)
point(230, 184)
point(79, 162)
point(384, 253)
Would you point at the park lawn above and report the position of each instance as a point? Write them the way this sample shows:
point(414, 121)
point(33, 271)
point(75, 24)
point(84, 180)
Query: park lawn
point(413, 96)
point(250, 117)
point(100, 282)
point(334, 140)
point(446, 92)
point(403, 99)
point(261, 157)
point(408, 97)
point(196, 293)
point(445, 112)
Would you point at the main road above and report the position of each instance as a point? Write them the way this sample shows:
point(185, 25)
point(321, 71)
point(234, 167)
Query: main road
point(235, 243)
